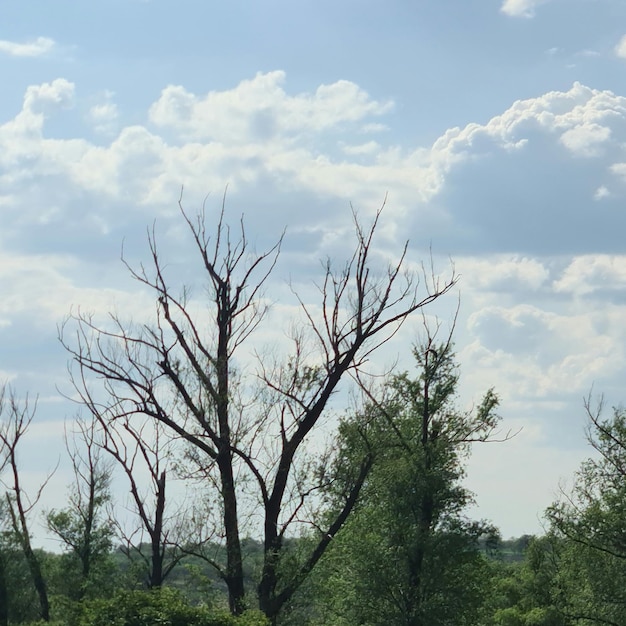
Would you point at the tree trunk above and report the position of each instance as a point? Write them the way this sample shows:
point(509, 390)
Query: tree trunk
point(234, 565)
point(85, 553)
point(269, 579)
point(426, 507)
point(416, 563)
point(157, 548)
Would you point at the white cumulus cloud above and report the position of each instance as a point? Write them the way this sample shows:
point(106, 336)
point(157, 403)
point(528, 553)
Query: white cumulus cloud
point(35, 48)
point(472, 180)
point(520, 8)
point(48, 96)
point(260, 109)
point(21, 139)
point(542, 351)
point(500, 273)
point(581, 116)
point(620, 48)
point(585, 139)
point(104, 115)
point(587, 274)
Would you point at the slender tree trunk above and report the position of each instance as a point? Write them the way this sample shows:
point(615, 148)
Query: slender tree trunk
point(85, 553)
point(272, 602)
point(269, 578)
point(416, 563)
point(425, 511)
point(234, 565)
point(157, 548)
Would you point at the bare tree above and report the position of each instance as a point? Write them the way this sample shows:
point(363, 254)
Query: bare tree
point(182, 372)
point(16, 418)
point(137, 448)
point(143, 447)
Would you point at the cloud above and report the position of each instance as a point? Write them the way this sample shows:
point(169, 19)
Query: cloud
point(41, 289)
point(498, 274)
point(522, 183)
point(47, 97)
point(370, 147)
point(520, 8)
point(39, 101)
point(544, 354)
point(589, 53)
point(620, 48)
point(594, 274)
point(104, 115)
point(601, 192)
point(525, 181)
point(22, 144)
point(259, 109)
point(578, 111)
point(35, 48)
point(528, 203)
point(586, 139)
point(253, 135)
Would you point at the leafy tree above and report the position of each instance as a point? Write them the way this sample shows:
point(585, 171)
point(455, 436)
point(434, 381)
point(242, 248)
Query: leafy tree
point(408, 555)
point(182, 372)
point(84, 527)
point(525, 593)
point(591, 523)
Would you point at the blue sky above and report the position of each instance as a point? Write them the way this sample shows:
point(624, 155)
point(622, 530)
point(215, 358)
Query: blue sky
point(496, 128)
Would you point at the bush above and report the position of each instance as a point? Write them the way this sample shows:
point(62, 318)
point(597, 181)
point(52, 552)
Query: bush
point(162, 607)
point(251, 618)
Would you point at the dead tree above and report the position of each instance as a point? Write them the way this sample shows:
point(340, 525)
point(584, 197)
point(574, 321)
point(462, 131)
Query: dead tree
point(16, 418)
point(182, 372)
point(137, 449)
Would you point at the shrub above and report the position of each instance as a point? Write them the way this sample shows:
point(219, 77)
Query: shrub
point(162, 607)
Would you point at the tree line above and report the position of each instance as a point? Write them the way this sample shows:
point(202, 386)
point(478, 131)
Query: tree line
point(279, 528)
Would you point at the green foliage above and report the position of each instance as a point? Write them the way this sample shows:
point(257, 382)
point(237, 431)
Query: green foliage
point(64, 576)
point(523, 593)
point(83, 528)
point(22, 604)
point(251, 618)
point(591, 525)
point(408, 555)
point(162, 607)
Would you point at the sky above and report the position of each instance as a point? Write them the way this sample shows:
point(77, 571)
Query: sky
point(496, 131)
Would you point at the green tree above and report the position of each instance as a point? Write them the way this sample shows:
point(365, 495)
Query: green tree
point(526, 593)
point(18, 601)
point(409, 555)
point(591, 523)
point(84, 527)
